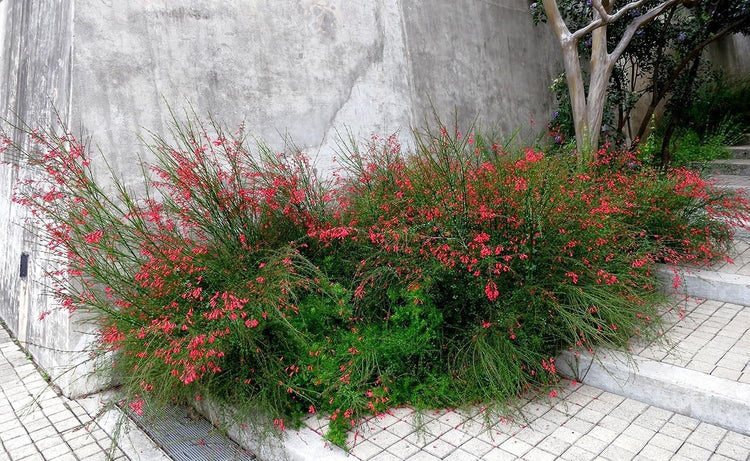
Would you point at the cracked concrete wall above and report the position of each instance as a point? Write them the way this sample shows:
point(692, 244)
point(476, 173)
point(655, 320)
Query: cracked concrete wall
point(302, 68)
point(307, 68)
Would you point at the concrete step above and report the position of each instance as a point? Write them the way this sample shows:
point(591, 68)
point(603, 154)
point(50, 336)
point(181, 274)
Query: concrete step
point(708, 284)
point(732, 181)
point(727, 281)
point(730, 166)
point(701, 369)
point(739, 151)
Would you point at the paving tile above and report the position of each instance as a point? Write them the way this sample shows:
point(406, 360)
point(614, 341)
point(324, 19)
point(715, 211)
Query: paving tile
point(592, 444)
point(423, 456)
point(515, 446)
point(536, 454)
point(604, 434)
point(384, 439)
point(476, 447)
point(694, 452)
point(676, 431)
point(32, 457)
point(17, 442)
point(738, 439)
point(733, 451)
point(23, 450)
point(638, 432)
point(403, 448)
point(12, 433)
point(718, 457)
point(439, 448)
point(615, 453)
point(366, 449)
point(498, 454)
point(707, 436)
point(613, 423)
point(530, 436)
point(655, 453)
point(385, 456)
point(576, 453)
point(401, 429)
point(56, 451)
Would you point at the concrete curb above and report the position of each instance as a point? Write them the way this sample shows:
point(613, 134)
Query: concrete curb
point(699, 283)
point(691, 393)
point(117, 424)
point(293, 445)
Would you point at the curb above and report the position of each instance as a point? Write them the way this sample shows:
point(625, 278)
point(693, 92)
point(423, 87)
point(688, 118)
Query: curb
point(691, 393)
point(292, 445)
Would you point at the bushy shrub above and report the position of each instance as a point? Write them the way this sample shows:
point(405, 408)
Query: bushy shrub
point(446, 276)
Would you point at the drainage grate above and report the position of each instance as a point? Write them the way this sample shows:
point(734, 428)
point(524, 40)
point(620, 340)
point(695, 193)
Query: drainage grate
point(189, 439)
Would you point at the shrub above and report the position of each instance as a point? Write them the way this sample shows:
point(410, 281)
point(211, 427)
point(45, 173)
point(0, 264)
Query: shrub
point(444, 277)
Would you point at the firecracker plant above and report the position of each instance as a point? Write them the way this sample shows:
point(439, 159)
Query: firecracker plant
point(447, 275)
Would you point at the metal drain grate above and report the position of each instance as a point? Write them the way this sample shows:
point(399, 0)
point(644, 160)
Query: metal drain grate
point(188, 439)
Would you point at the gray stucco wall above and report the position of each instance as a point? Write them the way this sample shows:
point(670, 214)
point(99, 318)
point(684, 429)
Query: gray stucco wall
point(732, 54)
point(305, 68)
point(483, 59)
point(35, 81)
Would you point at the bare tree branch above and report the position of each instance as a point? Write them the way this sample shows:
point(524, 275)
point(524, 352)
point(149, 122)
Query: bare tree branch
point(588, 29)
point(556, 20)
point(636, 24)
point(610, 18)
point(604, 17)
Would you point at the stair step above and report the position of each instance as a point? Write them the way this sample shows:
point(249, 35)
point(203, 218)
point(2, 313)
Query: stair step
point(709, 284)
point(697, 370)
point(731, 166)
point(715, 400)
point(732, 181)
point(740, 152)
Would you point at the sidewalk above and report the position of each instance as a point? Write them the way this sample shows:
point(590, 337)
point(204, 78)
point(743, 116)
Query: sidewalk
point(37, 424)
point(581, 423)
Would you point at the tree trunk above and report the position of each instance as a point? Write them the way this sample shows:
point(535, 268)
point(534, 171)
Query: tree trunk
point(666, 152)
point(577, 92)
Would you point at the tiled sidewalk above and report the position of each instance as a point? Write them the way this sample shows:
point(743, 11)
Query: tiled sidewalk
point(37, 424)
point(581, 423)
point(708, 336)
point(740, 255)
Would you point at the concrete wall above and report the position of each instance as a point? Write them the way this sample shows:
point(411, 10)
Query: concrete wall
point(35, 81)
point(732, 54)
point(484, 59)
point(305, 68)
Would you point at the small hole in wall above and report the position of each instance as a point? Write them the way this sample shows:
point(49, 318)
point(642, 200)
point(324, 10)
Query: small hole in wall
point(24, 271)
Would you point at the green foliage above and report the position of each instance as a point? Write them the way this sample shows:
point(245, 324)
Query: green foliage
point(447, 276)
point(715, 118)
point(657, 64)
